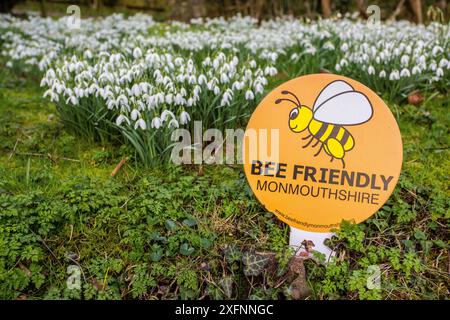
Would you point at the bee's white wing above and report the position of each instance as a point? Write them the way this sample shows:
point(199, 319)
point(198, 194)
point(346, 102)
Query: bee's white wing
point(347, 108)
point(331, 90)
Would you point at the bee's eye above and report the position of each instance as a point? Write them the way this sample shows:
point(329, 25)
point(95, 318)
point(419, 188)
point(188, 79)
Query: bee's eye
point(293, 114)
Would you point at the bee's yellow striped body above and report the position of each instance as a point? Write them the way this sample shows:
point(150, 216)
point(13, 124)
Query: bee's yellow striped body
point(336, 139)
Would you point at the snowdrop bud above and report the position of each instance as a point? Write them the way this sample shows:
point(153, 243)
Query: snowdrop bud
point(404, 60)
point(184, 118)
point(249, 95)
point(202, 79)
point(141, 124)
point(216, 63)
point(216, 90)
point(235, 61)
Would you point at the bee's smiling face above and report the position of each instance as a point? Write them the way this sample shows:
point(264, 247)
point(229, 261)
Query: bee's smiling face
point(299, 118)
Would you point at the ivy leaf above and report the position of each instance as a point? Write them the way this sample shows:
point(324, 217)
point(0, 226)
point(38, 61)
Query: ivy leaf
point(419, 234)
point(186, 250)
point(253, 263)
point(232, 254)
point(189, 222)
point(170, 225)
point(156, 253)
point(205, 243)
point(227, 285)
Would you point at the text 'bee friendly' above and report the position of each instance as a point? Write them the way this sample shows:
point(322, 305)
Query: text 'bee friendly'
point(338, 154)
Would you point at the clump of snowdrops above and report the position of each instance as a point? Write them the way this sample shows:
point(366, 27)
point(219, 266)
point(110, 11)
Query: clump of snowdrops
point(138, 80)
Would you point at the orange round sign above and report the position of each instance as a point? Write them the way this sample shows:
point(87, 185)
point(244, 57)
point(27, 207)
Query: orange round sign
point(320, 149)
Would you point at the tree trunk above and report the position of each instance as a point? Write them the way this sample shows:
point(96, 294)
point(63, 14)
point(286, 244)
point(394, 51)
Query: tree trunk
point(416, 7)
point(43, 10)
point(397, 10)
point(362, 8)
point(326, 8)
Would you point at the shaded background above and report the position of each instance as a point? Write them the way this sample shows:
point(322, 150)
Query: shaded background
point(419, 11)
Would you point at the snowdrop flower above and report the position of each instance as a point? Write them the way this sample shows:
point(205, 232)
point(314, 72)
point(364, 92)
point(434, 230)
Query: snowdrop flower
point(207, 62)
point(226, 98)
point(136, 90)
point(165, 114)
point(437, 50)
point(202, 79)
point(371, 70)
point(439, 72)
point(405, 73)
point(184, 118)
point(394, 75)
point(249, 95)
point(173, 124)
point(87, 54)
point(270, 71)
point(258, 87)
point(156, 123)
point(169, 98)
point(422, 59)
point(135, 114)
point(382, 74)
point(140, 124)
point(224, 78)
point(120, 119)
point(416, 70)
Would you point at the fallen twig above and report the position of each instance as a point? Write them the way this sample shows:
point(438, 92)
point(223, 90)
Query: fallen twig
point(52, 158)
point(117, 168)
point(13, 150)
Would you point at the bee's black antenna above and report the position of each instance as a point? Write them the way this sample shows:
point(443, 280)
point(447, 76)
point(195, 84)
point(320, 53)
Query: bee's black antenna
point(288, 92)
point(285, 99)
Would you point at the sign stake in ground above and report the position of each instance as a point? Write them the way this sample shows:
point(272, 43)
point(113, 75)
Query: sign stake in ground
point(339, 155)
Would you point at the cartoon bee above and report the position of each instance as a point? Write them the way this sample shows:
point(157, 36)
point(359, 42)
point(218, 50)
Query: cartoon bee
point(336, 106)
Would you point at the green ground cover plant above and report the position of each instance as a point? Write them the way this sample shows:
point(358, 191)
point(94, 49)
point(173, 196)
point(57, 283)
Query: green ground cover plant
point(180, 232)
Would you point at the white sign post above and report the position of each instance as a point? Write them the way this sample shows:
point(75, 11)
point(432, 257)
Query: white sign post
point(298, 236)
